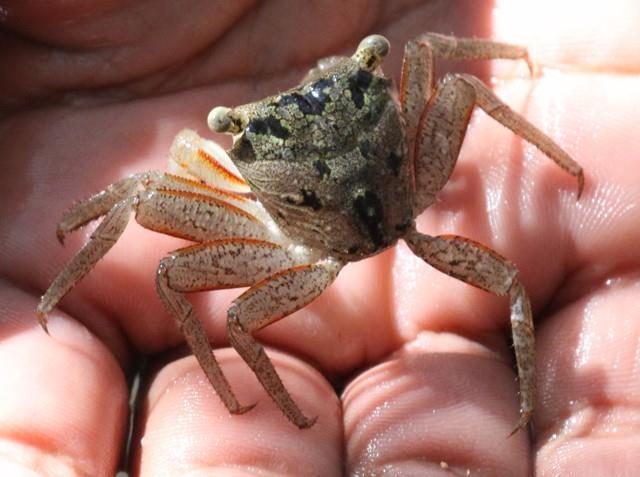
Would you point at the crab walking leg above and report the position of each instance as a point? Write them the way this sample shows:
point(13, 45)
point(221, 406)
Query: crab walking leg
point(99, 204)
point(213, 265)
point(454, 48)
point(181, 310)
point(494, 107)
point(419, 68)
point(441, 131)
point(266, 302)
point(443, 125)
point(477, 265)
point(101, 240)
point(183, 213)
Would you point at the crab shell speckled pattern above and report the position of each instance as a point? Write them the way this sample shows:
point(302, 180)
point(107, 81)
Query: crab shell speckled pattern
point(327, 159)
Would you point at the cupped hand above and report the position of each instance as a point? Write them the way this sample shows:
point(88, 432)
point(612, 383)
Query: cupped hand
point(409, 371)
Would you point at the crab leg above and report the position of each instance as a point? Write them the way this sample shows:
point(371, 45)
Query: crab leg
point(214, 265)
point(477, 265)
point(101, 240)
point(419, 67)
point(443, 125)
point(99, 204)
point(179, 211)
point(441, 132)
point(266, 302)
point(494, 107)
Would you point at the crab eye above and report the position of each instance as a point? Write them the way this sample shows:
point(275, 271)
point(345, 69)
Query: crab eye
point(218, 119)
point(370, 52)
point(223, 120)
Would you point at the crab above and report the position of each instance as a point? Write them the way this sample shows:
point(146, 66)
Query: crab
point(332, 171)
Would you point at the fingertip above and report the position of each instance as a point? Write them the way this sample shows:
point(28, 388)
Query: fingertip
point(442, 399)
point(589, 382)
point(599, 38)
point(186, 426)
point(62, 397)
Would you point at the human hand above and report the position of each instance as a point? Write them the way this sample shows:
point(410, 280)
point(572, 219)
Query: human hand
point(427, 357)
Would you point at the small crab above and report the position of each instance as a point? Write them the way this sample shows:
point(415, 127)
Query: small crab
point(329, 172)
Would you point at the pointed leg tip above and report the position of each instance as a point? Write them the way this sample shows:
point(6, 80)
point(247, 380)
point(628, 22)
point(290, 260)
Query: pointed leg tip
point(523, 422)
point(580, 184)
point(306, 423)
point(60, 236)
point(534, 70)
point(42, 319)
point(243, 409)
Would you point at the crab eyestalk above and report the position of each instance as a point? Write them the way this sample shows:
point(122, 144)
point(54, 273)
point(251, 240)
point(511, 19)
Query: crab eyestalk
point(371, 51)
point(225, 120)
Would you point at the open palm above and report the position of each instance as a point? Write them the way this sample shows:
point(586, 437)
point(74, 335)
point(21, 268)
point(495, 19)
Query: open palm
point(427, 359)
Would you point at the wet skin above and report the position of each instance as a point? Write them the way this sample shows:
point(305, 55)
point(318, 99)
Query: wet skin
point(447, 395)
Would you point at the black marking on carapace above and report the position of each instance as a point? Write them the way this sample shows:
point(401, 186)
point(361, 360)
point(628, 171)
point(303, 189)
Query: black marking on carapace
point(394, 162)
point(356, 94)
point(363, 79)
point(364, 146)
point(310, 199)
point(268, 125)
point(317, 88)
point(276, 128)
point(257, 126)
point(243, 149)
point(322, 168)
point(369, 210)
point(307, 104)
point(358, 84)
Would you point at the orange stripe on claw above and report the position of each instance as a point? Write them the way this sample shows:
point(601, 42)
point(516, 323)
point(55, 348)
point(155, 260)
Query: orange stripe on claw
point(200, 185)
point(219, 168)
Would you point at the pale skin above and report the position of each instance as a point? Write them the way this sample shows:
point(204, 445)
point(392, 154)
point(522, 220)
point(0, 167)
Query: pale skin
point(432, 370)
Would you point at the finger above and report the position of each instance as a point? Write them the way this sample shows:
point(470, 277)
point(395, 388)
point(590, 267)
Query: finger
point(63, 398)
point(588, 36)
point(114, 44)
point(589, 386)
point(109, 43)
point(187, 429)
point(588, 349)
point(442, 405)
